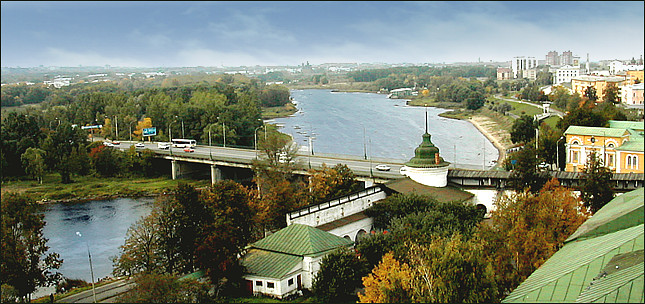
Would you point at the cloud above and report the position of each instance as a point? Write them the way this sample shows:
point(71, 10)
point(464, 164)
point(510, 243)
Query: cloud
point(61, 57)
point(208, 57)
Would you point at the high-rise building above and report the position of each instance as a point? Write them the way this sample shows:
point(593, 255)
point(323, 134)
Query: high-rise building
point(552, 58)
point(521, 64)
point(566, 58)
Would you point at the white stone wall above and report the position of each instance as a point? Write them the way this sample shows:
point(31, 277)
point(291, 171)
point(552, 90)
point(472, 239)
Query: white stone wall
point(352, 229)
point(330, 211)
point(435, 177)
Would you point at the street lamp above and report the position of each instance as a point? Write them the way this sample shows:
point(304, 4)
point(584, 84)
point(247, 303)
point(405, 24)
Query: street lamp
point(224, 131)
point(182, 129)
point(557, 152)
point(364, 145)
point(91, 268)
point(255, 138)
point(116, 127)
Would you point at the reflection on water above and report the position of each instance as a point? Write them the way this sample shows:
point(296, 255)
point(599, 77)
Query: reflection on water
point(102, 225)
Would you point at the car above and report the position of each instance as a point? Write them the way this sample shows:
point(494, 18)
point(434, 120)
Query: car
point(403, 171)
point(116, 142)
point(382, 167)
point(108, 144)
point(189, 149)
point(140, 145)
point(163, 145)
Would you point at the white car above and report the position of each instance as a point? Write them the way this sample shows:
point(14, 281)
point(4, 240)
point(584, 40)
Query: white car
point(139, 145)
point(108, 144)
point(382, 167)
point(163, 145)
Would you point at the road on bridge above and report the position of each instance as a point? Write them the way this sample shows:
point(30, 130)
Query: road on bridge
point(357, 164)
point(104, 294)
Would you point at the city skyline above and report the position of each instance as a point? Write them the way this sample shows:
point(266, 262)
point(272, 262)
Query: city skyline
point(183, 34)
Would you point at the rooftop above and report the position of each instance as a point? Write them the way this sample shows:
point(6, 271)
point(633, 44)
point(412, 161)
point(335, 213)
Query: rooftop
point(442, 194)
point(596, 131)
point(301, 240)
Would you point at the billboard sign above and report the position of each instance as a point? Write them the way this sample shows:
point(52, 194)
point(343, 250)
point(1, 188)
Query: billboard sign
point(150, 131)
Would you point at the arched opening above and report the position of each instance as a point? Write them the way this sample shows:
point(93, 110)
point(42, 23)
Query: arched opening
point(347, 237)
point(482, 209)
point(360, 235)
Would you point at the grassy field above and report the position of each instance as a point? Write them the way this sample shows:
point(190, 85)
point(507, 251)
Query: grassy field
point(275, 112)
point(88, 187)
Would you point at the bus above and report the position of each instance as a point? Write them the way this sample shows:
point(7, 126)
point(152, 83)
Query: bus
point(183, 143)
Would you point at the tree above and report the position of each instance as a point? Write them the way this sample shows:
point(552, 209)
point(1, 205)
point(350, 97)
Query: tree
point(397, 205)
point(596, 189)
point(142, 124)
point(389, 282)
point(523, 129)
point(374, 246)
point(451, 270)
point(25, 264)
point(140, 252)
point(340, 273)
point(33, 160)
point(328, 183)
point(105, 160)
point(19, 132)
point(63, 149)
point(581, 116)
point(611, 94)
point(590, 93)
point(527, 228)
point(525, 173)
point(165, 288)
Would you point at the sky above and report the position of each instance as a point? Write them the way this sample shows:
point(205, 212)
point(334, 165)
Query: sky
point(187, 34)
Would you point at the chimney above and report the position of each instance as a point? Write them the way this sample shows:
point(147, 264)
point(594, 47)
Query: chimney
point(437, 160)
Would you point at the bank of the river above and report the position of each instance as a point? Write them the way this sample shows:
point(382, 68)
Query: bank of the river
point(93, 188)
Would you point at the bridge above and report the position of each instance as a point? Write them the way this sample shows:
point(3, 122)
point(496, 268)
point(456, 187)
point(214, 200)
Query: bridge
point(235, 163)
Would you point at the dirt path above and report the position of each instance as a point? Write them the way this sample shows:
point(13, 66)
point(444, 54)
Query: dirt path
point(501, 139)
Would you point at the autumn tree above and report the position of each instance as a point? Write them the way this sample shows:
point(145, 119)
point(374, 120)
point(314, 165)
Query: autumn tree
point(612, 94)
point(596, 189)
point(327, 183)
point(340, 273)
point(33, 160)
point(590, 93)
point(527, 228)
point(165, 288)
point(389, 282)
point(142, 124)
point(140, 253)
point(451, 270)
point(25, 263)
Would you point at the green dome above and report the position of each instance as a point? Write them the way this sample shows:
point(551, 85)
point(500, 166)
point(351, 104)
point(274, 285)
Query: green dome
point(424, 155)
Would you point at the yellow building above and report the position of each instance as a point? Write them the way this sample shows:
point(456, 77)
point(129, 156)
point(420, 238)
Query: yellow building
point(620, 146)
point(634, 76)
point(581, 83)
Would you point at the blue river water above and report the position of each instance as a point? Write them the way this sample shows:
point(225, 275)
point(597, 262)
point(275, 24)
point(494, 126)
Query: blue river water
point(366, 123)
point(102, 226)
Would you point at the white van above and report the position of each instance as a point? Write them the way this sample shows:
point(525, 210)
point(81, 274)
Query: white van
point(163, 145)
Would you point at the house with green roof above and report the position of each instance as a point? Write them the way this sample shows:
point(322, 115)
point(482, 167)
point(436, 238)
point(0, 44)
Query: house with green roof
point(620, 146)
point(601, 262)
point(287, 261)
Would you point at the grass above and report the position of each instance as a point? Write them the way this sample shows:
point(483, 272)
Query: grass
point(551, 121)
point(275, 112)
point(89, 187)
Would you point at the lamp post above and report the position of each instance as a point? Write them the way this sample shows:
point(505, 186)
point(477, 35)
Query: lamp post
point(255, 140)
point(364, 145)
point(89, 255)
point(223, 131)
point(182, 129)
point(116, 127)
point(557, 152)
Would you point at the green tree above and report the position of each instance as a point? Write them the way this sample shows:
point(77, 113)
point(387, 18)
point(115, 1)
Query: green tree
point(596, 189)
point(33, 160)
point(25, 263)
point(451, 270)
point(106, 161)
point(374, 246)
point(611, 94)
point(63, 147)
point(165, 288)
point(340, 273)
point(525, 173)
point(523, 129)
point(590, 93)
point(581, 116)
point(19, 132)
point(395, 206)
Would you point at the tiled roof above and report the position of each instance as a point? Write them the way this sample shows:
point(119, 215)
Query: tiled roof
point(270, 264)
point(635, 144)
point(442, 194)
point(601, 262)
point(596, 131)
point(343, 221)
point(298, 239)
point(619, 124)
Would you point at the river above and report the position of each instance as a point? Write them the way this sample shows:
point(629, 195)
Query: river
point(372, 124)
point(102, 225)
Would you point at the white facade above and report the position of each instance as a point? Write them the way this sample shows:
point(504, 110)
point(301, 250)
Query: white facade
point(435, 177)
point(565, 74)
point(618, 66)
point(521, 64)
point(632, 94)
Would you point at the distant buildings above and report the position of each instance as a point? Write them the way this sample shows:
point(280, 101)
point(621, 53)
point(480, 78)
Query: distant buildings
point(504, 73)
point(565, 74)
point(567, 58)
point(599, 83)
point(524, 67)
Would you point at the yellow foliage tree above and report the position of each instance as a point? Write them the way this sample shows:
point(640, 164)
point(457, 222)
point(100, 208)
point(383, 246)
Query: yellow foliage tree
point(389, 282)
point(142, 124)
point(425, 93)
point(107, 130)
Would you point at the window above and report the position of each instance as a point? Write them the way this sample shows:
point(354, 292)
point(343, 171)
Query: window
point(270, 285)
point(629, 161)
point(611, 145)
point(290, 282)
point(574, 156)
point(610, 160)
point(258, 283)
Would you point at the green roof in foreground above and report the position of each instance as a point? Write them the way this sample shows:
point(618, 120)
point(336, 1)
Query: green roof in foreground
point(596, 131)
point(601, 262)
point(301, 240)
point(270, 264)
point(635, 125)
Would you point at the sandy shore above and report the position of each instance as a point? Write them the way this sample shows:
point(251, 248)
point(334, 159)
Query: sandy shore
point(501, 139)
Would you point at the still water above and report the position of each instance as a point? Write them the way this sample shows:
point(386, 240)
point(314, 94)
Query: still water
point(372, 124)
point(102, 226)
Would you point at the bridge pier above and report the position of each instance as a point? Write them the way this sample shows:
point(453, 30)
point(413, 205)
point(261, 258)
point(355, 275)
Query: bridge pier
point(216, 174)
point(174, 168)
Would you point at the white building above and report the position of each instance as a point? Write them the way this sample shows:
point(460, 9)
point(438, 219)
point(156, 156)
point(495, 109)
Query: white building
point(618, 66)
point(565, 74)
point(632, 94)
point(521, 64)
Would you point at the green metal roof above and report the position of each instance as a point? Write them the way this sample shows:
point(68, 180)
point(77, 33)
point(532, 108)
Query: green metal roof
point(635, 143)
point(424, 155)
point(270, 264)
point(596, 131)
point(622, 212)
point(584, 269)
point(634, 125)
point(298, 239)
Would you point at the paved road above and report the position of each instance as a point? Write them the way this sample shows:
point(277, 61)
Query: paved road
point(104, 294)
point(552, 110)
point(359, 165)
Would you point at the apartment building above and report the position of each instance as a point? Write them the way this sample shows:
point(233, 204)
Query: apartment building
point(581, 83)
point(565, 74)
point(522, 65)
point(632, 94)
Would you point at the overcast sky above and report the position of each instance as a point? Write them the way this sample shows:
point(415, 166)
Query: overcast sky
point(180, 34)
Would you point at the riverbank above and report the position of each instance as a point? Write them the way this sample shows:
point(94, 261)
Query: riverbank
point(498, 136)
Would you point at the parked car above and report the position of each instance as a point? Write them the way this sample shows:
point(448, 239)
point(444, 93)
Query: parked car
point(189, 149)
point(139, 145)
point(382, 167)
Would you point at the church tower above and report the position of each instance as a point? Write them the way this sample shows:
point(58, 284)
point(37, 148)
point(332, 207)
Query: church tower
point(427, 167)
